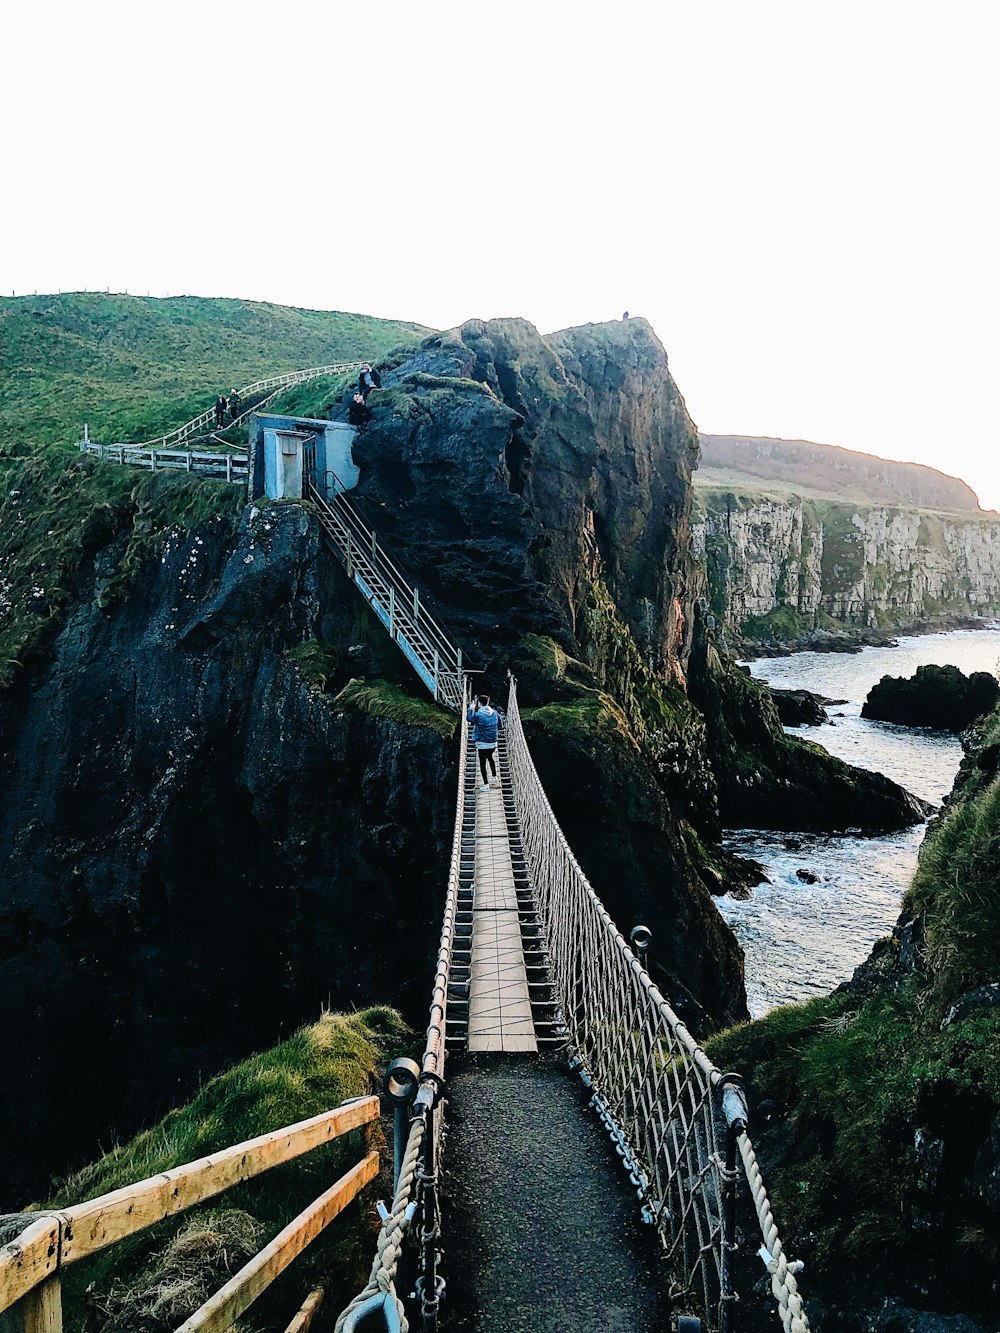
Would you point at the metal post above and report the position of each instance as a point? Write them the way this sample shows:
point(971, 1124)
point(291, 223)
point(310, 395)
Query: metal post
point(641, 937)
point(392, 612)
point(437, 664)
point(400, 1084)
point(459, 666)
point(416, 606)
point(350, 557)
point(374, 548)
point(734, 1106)
point(430, 1296)
point(229, 467)
point(152, 460)
point(188, 461)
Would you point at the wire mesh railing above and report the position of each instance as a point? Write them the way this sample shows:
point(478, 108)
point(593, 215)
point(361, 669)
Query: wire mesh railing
point(405, 1271)
point(391, 595)
point(666, 1105)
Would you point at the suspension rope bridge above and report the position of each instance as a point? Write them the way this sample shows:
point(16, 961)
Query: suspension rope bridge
point(529, 961)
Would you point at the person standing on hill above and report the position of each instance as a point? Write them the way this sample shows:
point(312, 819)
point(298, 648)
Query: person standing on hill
point(485, 730)
point(234, 404)
point(220, 411)
point(368, 379)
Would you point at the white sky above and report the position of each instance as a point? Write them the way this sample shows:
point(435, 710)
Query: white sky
point(800, 195)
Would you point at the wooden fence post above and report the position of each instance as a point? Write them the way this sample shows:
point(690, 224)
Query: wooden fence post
point(38, 1312)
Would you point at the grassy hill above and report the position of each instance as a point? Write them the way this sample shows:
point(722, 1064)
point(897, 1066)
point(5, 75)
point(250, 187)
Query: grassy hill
point(778, 469)
point(133, 366)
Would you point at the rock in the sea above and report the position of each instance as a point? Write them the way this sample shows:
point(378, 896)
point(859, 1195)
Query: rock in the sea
point(807, 876)
point(798, 708)
point(938, 697)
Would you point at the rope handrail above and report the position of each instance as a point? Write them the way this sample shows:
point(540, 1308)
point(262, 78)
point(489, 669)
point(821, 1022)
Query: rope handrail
point(275, 382)
point(661, 1097)
point(416, 1188)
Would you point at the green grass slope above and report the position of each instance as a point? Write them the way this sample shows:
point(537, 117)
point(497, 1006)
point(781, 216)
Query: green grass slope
point(153, 1281)
point(133, 366)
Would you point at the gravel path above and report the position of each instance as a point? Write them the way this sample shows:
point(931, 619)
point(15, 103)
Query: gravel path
point(541, 1226)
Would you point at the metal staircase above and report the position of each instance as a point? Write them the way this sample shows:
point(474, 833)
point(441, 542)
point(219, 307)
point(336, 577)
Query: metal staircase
point(394, 600)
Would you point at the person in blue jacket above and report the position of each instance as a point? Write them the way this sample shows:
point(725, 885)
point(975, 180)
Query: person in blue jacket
point(485, 728)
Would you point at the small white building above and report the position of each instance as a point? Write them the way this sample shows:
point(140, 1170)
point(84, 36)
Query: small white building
point(284, 451)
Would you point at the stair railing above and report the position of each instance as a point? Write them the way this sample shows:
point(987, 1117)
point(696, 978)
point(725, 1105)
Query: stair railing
point(395, 600)
point(31, 1264)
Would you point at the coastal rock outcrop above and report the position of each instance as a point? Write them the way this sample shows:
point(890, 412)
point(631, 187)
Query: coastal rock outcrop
point(786, 569)
point(939, 697)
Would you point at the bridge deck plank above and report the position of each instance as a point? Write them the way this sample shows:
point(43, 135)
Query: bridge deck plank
point(499, 1000)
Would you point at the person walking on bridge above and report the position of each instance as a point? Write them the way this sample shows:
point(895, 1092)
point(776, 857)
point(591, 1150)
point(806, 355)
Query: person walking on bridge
point(234, 404)
point(485, 729)
point(220, 411)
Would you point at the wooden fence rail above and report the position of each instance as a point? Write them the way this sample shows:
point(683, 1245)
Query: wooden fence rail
point(232, 465)
point(30, 1264)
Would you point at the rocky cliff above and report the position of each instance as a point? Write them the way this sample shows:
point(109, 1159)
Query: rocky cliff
point(220, 810)
point(224, 803)
point(780, 566)
point(197, 847)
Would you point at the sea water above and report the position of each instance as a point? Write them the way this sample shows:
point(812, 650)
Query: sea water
point(803, 939)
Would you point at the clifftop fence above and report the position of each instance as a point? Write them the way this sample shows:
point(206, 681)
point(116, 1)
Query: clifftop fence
point(163, 453)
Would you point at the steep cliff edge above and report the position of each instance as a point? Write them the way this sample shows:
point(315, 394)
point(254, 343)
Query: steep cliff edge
point(197, 847)
point(877, 1110)
point(224, 802)
point(802, 540)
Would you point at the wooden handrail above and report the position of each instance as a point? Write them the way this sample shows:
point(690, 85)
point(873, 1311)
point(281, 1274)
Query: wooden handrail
point(63, 1237)
point(222, 1310)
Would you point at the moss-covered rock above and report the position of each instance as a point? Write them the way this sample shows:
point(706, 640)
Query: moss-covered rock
point(876, 1111)
point(635, 851)
point(767, 779)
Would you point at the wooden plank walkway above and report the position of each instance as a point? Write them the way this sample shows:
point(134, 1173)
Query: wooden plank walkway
point(499, 1002)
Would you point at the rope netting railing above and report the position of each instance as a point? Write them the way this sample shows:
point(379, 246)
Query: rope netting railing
point(667, 1107)
point(202, 423)
point(414, 1221)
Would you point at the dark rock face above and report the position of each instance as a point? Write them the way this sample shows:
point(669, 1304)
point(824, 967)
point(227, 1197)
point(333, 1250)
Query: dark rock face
point(540, 488)
point(769, 780)
point(939, 697)
point(627, 840)
point(198, 851)
point(798, 708)
point(506, 470)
